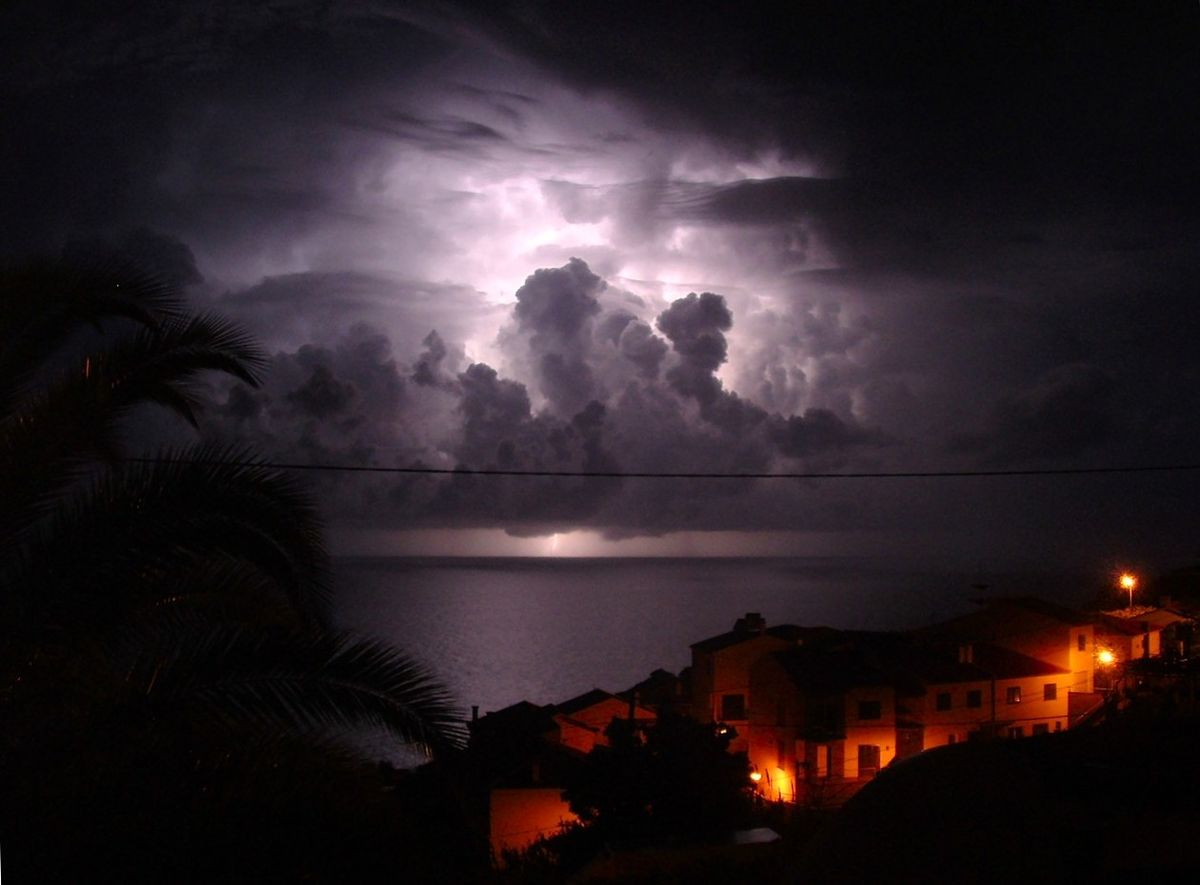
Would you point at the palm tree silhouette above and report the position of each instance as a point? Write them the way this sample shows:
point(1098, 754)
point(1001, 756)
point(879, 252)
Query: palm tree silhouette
point(176, 603)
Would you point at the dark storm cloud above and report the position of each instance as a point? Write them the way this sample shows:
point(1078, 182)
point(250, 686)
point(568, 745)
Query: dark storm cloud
point(340, 403)
point(943, 236)
point(642, 347)
point(694, 325)
point(948, 91)
point(432, 365)
point(451, 134)
point(160, 254)
point(291, 309)
point(953, 130)
point(555, 304)
point(495, 414)
point(356, 401)
point(1064, 413)
point(554, 311)
point(166, 105)
point(816, 431)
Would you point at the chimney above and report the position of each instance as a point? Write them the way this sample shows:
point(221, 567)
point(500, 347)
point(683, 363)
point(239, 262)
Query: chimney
point(474, 712)
point(753, 622)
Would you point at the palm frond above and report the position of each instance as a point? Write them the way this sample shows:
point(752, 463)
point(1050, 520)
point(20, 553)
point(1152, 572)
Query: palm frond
point(43, 303)
point(115, 543)
point(301, 682)
point(160, 364)
point(75, 419)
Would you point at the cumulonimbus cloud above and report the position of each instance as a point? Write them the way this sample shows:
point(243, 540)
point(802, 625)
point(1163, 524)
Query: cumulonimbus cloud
point(603, 391)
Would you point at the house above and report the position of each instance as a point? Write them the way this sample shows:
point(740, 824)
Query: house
point(720, 671)
point(1143, 632)
point(521, 752)
point(661, 691)
point(831, 711)
point(824, 722)
point(989, 691)
point(517, 757)
point(580, 722)
point(1036, 628)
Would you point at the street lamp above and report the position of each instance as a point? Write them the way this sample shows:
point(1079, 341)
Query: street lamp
point(1128, 582)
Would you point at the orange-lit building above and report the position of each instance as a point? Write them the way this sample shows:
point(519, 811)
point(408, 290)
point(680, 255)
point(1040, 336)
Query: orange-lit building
point(581, 721)
point(989, 691)
point(824, 719)
point(820, 711)
point(1044, 631)
point(519, 754)
point(1140, 633)
point(720, 673)
point(834, 710)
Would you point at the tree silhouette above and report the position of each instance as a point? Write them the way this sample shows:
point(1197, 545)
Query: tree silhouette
point(160, 613)
point(674, 780)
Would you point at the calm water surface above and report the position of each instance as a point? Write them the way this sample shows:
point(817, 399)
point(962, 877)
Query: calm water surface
point(502, 630)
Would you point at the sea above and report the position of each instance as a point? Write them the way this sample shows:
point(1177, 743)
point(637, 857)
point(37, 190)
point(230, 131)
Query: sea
point(501, 630)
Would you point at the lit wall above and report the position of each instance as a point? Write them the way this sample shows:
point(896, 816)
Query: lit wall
point(1033, 709)
point(519, 817)
point(1081, 661)
point(727, 671)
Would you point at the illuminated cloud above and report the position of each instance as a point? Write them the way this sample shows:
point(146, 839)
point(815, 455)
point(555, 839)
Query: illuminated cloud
point(806, 239)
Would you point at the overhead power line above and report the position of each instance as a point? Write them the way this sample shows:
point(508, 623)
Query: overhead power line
point(645, 474)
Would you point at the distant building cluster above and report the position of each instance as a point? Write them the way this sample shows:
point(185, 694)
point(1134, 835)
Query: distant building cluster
point(820, 711)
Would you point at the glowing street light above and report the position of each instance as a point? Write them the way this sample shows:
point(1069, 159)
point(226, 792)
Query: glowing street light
point(1128, 582)
point(1105, 657)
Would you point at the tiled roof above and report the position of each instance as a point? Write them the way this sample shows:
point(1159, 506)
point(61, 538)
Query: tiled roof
point(1007, 617)
point(786, 632)
point(519, 717)
point(908, 665)
point(583, 701)
point(1152, 619)
point(1002, 663)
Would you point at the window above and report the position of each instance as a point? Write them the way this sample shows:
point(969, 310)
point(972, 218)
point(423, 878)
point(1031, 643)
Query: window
point(822, 760)
point(870, 710)
point(1057, 725)
point(975, 698)
point(943, 700)
point(1081, 640)
point(733, 706)
point(1050, 692)
point(868, 760)
point(829, 717)
point(952, 739)
point(1012, 694)
point(1016, 731)
point(1041, 728)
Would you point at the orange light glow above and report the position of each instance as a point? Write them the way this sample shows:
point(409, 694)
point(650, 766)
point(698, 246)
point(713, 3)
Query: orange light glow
point(1105, 657)
point(1128, 582)
point(784, 790)
point(756, 776)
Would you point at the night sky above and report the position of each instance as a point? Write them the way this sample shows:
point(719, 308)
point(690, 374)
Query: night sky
point(640, 237)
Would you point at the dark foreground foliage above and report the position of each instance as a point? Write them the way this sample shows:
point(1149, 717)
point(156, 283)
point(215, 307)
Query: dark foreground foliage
point(671, 785)
point(173, 702)
point(674, 780)
point(1111, 803)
